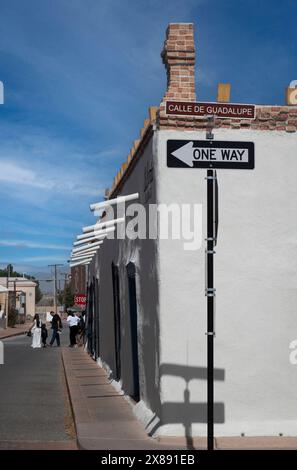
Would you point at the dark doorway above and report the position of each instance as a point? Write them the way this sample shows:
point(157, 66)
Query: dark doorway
point(90, 318)
point(97, 320)
point(93, 341)
point(92, 323)
point(133, 327)
point(117, 320)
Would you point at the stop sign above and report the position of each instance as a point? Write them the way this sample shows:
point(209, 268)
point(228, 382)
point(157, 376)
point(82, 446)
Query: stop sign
point(80, 300)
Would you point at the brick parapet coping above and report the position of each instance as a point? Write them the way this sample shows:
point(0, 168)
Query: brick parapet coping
point(268, 118)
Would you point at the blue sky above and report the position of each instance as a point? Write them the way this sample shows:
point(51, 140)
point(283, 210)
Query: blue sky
point(79, 76)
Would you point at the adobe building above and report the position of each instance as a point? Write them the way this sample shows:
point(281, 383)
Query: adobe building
point(146, 297)
point(24, 290)
point(3, 305)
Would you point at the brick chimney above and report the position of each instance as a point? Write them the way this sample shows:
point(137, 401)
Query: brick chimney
point(179, 58)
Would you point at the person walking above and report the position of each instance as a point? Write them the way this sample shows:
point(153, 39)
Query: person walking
point(43, 334)
point(72, 321)
point(36, 332)
point(56, 327)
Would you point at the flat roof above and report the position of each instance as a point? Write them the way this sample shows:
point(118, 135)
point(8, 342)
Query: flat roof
point(20, 281)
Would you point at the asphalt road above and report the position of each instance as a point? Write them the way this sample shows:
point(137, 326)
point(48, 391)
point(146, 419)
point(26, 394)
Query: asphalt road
point(34, 404)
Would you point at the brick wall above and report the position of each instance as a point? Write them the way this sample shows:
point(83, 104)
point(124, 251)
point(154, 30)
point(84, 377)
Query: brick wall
point(179, 58)
point(268, 118)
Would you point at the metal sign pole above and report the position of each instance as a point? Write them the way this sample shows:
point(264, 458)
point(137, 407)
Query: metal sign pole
point(210, 291)
point(211, 176)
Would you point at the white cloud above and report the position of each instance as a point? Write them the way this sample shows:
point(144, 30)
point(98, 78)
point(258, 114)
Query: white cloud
point(36, 164)
point(30, 244)
point(32, 259)
point(14, 174)
point(36, 259)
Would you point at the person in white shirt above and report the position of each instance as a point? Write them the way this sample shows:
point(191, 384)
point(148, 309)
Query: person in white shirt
point(72, 321)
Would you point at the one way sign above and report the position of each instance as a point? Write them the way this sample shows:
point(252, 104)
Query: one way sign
point(210, 154)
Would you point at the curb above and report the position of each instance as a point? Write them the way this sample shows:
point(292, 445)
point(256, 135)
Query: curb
point(79, 446)
point(12, 335)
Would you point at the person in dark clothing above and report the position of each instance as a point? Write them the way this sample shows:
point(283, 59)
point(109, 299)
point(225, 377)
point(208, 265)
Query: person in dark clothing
point(44, 334)
point(80, 330)
point(56, 327)
point(72, 321)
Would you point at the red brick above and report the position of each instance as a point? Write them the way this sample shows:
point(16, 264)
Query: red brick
point(179, 58)
point(291, 128)
point(282, 117)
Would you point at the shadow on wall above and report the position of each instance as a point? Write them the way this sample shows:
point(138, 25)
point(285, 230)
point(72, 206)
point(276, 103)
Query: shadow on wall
point(189, 412)
point(150, 339)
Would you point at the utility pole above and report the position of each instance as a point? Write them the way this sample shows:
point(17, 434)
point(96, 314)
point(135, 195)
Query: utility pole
point(55, 284)
point(65, 285)
point(8, 269)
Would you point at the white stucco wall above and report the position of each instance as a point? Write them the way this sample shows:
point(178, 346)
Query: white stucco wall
point(30, 299)
point(255, 277)
point(26, 286)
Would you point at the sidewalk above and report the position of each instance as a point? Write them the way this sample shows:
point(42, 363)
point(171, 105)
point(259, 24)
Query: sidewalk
point(104, 419)
point(17, 330)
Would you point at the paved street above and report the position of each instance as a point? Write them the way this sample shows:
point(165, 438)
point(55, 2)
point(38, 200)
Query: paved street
point(34, 407)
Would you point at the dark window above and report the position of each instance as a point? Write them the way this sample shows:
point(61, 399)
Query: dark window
point(90, 319)
point(134, 328)
point(97, 319)
point(117, 320)
point(92, 324)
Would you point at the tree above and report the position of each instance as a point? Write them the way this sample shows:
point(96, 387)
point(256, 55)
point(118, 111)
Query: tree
point(66, 297)
point(60, 296)
point(38, 293)
point(69, 296)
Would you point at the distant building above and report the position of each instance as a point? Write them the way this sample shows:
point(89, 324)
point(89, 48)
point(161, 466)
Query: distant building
point(25, 293)
point(78, 280)
point(3, 303)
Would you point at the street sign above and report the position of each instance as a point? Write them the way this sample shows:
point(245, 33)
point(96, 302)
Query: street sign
point(220, 110)
point(210, 154)
point(80, 300)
